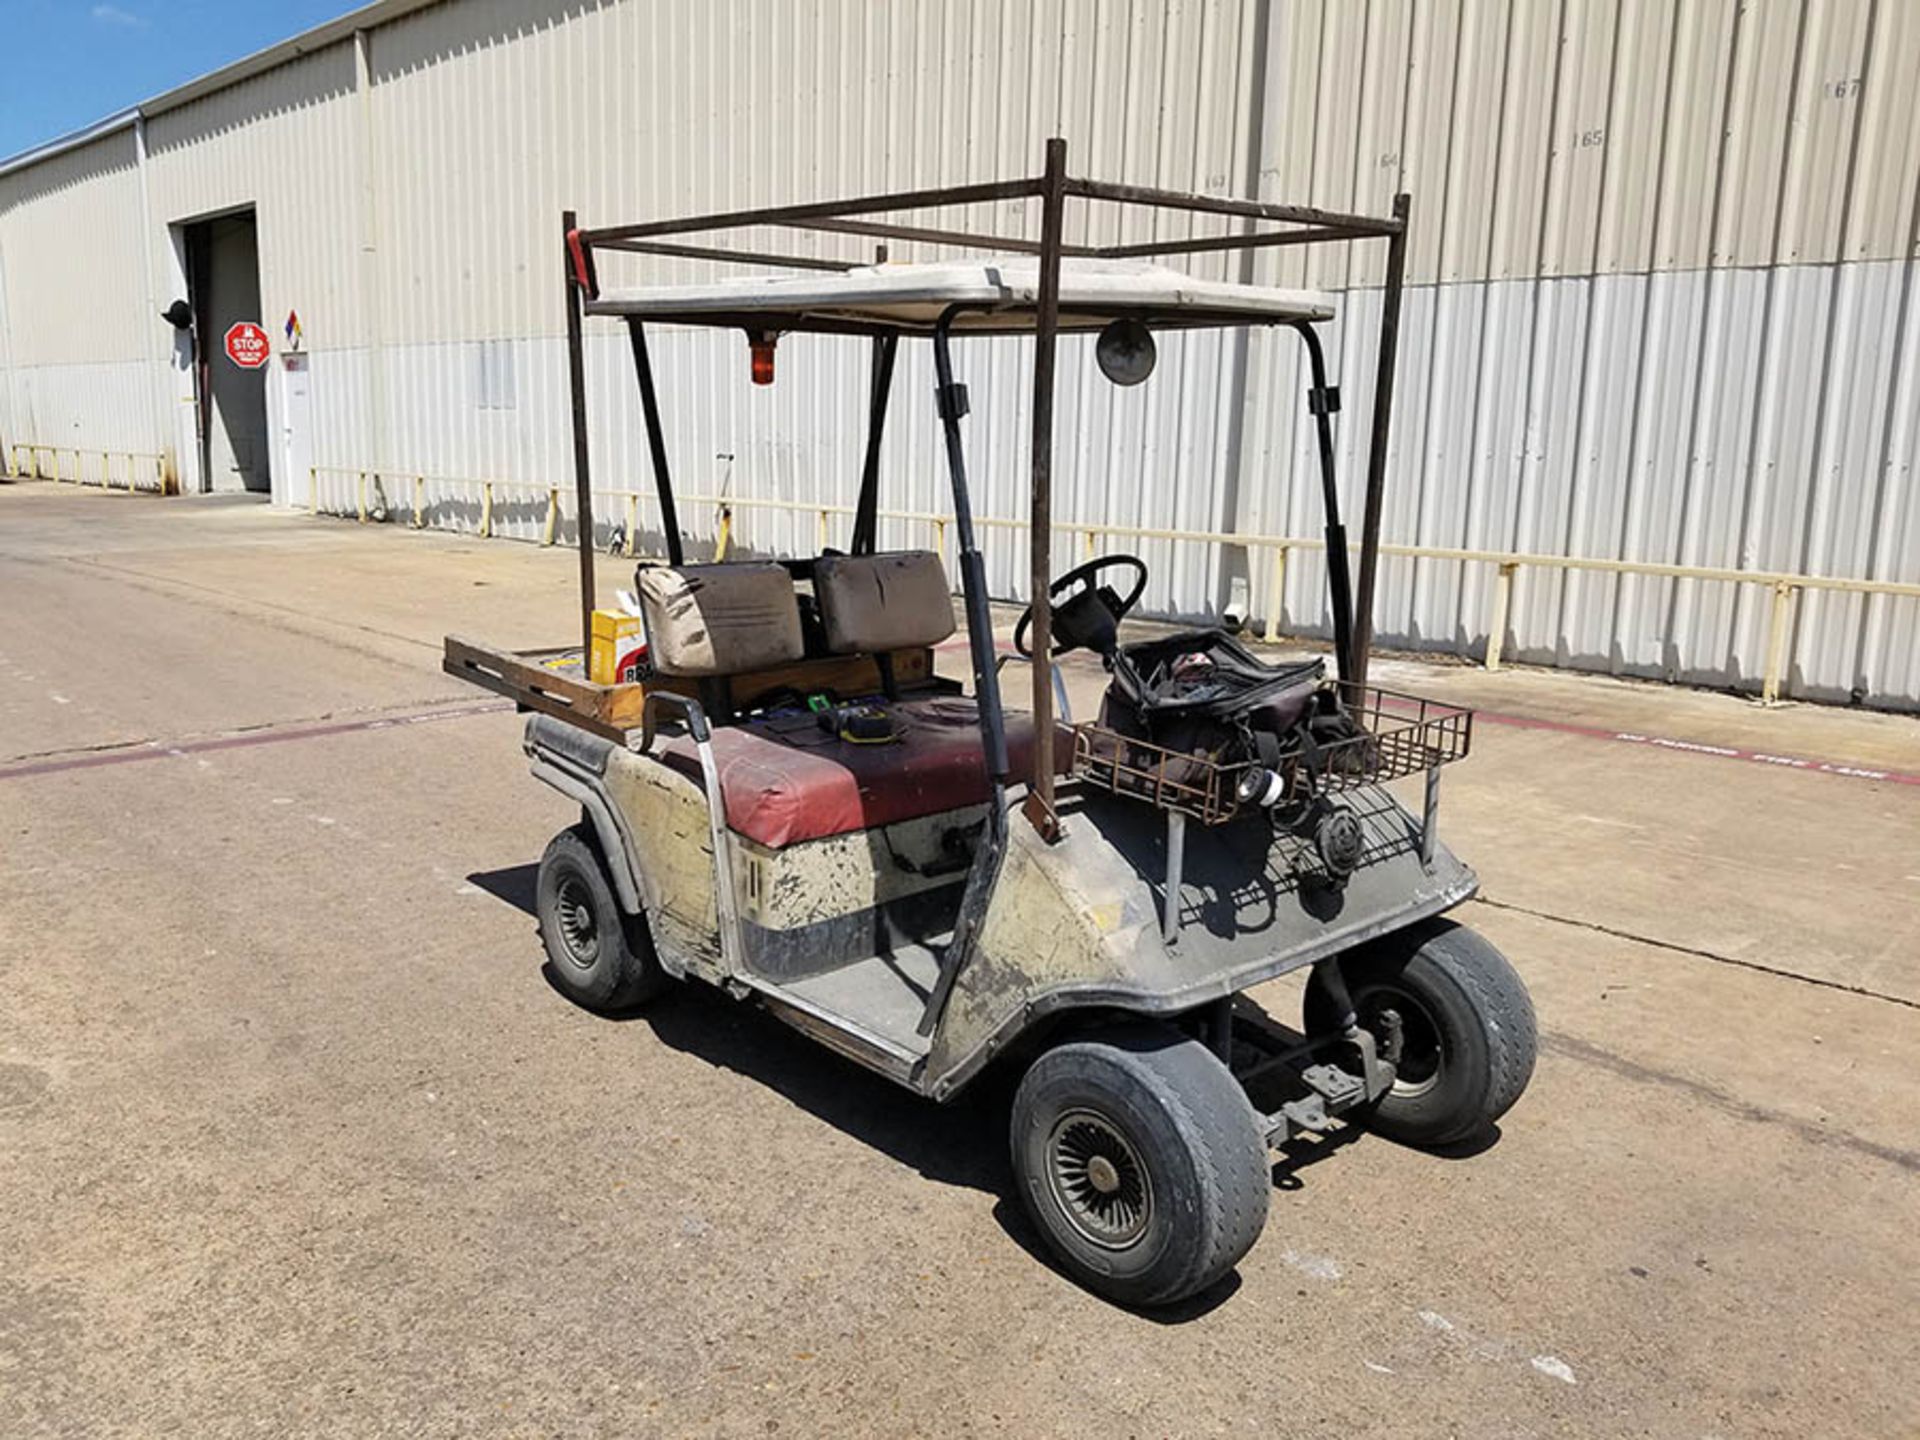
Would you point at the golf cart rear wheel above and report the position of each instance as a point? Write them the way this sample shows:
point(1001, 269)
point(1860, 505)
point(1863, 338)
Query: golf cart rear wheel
point(1141, 1162)
point(1448, 1009)
point(600, 956)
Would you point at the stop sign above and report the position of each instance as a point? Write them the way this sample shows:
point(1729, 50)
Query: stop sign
point(247, 345)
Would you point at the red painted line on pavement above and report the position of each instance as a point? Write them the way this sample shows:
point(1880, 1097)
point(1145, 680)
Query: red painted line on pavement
point(1696, 747)
point(162, 750)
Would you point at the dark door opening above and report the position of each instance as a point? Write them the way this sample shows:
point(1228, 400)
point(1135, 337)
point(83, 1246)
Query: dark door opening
point(223, 286)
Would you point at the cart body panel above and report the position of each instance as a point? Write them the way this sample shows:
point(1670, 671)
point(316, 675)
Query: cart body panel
point(845, 933)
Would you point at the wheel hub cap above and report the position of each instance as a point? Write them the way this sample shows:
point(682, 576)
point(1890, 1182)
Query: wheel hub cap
point(579, 929)
point(1098, 1180)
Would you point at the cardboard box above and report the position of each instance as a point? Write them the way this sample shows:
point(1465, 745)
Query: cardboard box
point(619, 648)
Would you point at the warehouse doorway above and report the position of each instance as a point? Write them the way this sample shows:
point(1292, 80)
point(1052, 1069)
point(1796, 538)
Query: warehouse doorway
point(223, 287)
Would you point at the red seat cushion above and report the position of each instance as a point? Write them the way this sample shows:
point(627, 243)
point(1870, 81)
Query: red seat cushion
point(786, 780)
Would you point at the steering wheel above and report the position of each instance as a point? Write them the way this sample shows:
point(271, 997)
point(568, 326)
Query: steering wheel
point(1092, 615)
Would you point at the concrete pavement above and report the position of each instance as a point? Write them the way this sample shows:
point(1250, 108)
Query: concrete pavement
point(295, 1139)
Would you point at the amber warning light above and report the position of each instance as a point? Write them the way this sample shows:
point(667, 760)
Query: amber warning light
point(761, 346)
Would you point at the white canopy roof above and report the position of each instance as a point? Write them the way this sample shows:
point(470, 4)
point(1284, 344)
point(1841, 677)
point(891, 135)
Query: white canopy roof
point(1092, 292)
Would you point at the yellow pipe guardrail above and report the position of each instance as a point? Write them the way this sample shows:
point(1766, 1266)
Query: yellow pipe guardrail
point(24, 463)
point(1786, 586)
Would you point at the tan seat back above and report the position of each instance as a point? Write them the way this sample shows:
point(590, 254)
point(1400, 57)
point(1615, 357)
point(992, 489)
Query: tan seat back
point(720, 619)
point(871, 603)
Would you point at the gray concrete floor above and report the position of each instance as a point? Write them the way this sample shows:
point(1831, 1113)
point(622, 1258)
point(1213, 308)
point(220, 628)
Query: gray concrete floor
point(295, 1139)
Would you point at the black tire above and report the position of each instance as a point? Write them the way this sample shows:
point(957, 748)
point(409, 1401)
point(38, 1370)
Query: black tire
point(1467, 1026)
point(601, 957)
point(1184, 1192)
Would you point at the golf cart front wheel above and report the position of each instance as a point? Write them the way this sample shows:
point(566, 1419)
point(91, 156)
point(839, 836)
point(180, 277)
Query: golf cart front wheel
point(1140, 1160)
point(1445, 1006)
point(600, 957)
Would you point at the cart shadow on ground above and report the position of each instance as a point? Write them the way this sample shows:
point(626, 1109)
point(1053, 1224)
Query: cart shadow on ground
point(962, 1143)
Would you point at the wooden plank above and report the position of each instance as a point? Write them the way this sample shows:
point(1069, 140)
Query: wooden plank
point(551, 681)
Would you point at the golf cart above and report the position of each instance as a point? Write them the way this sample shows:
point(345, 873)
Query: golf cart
point(787, 800)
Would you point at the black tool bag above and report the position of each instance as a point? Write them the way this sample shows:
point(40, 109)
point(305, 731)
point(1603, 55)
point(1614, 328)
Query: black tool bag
point(1204, 694)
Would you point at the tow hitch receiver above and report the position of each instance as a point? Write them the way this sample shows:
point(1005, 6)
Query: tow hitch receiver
point(1331, 1088)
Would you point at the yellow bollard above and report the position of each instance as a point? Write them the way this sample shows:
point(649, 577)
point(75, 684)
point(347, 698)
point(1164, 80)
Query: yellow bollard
point(486, 510)
point(940, 539)
point(626, 547)
point(360, 489)
point(1088, 547)
point(553, 515)
point(1276, 594)
point(821, 548)
point(723, 535)
point(1502, 604)
point(313, 490)
point(419, 506)
point(1777, 632)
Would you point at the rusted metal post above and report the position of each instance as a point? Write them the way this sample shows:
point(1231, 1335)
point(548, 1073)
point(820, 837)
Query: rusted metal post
point(582, 465)
point(1039, 807)
point(1377, 446)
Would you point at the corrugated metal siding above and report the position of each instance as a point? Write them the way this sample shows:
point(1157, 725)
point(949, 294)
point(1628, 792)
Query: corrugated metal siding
point(1630, 334)
point(75, 304)
point(287, 143)
point(1661, 270)
point(774, 104)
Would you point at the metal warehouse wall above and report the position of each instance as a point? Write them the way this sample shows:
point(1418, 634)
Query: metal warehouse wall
point(1660, 280)
point(288, 143)
point(1662, 263)
point(75, 336)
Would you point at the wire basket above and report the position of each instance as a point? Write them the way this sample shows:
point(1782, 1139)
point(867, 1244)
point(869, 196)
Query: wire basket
point(1195, 785)
point(1398, 735)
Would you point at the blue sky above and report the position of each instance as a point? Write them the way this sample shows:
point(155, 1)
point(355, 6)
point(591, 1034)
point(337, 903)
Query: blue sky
point(71, 62)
